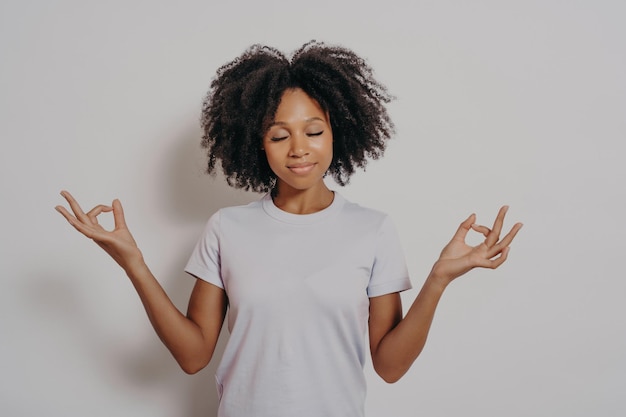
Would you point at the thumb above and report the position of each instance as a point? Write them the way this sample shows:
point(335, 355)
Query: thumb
point(118, 214)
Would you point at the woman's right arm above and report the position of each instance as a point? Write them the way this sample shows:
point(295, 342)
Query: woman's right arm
point(192, 338)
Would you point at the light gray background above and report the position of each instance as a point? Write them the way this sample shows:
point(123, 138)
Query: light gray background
point(498, 102)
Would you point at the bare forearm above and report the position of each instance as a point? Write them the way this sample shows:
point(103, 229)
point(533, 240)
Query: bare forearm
point(180, 335)
point(395, 341)
point(401, 346)
point(191, 338)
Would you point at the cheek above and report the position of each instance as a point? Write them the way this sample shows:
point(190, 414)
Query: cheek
point(275, 157)
point(326, 148)
point(271, 157)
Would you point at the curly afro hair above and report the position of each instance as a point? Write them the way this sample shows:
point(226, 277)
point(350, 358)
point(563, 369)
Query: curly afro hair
point(246, 92)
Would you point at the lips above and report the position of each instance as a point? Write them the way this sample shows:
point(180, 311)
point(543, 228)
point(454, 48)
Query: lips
point(301, 168)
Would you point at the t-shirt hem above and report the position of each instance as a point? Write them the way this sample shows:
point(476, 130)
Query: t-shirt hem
point(397, 285)
point(203, 274)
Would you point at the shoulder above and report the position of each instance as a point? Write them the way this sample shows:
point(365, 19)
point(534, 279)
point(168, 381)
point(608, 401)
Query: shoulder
point(229, 215)
point(364, 215)
point(243, 209)
point(235, 221)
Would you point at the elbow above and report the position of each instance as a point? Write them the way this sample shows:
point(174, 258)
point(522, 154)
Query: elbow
point(390, 370)
point(391, 379)
point(390, 376)
point(190, 370)
point(192, 366)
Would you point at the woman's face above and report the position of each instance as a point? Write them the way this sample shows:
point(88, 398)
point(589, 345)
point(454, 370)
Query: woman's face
point(299, 142)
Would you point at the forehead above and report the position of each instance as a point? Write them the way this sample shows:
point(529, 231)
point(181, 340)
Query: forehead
point(296, 105)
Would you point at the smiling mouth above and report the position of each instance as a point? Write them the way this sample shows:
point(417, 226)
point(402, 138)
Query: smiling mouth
point(301, 169)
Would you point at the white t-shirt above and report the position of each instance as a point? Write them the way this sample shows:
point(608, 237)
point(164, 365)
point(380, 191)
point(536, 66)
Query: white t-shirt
point(298, 288)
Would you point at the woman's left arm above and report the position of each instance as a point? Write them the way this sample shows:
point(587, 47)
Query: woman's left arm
point(396, 342)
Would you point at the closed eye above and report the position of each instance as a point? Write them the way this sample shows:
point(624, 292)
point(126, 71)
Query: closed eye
point(315, 134)
point(278, 138)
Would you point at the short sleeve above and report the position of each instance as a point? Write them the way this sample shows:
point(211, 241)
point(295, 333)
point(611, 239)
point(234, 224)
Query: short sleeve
point(389, 272)
point(204, 262)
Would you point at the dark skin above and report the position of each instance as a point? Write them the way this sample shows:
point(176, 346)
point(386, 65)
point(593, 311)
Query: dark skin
point(299, 150)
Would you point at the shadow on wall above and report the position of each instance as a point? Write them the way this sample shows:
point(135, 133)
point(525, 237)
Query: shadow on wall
point(192, 196)
point(145, 366)
point(187, 199)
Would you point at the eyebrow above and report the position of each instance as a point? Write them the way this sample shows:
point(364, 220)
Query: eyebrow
point(309, 120)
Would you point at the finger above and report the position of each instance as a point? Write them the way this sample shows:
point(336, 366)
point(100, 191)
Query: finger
point(78, 212)
point(481, 229)
point(494, 263)
point(94, 212)
point(69, 217)
point(493, 260)
point(464, 227)
point(77, 224)
point(506, 240)
point(118, 215)
point(494, 236)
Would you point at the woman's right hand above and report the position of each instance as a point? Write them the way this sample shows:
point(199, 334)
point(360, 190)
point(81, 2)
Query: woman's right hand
point(191, 339)
point(118, 243)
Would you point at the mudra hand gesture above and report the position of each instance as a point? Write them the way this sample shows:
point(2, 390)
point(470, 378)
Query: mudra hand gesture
point(118, 243)
point(458, 257)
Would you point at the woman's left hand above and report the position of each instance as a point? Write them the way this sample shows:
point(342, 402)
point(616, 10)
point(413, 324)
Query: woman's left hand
point(458, 257)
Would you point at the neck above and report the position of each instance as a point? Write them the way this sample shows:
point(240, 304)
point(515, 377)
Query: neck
point(303, 201)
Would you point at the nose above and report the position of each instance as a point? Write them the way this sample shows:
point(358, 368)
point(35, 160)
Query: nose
point(299, 143)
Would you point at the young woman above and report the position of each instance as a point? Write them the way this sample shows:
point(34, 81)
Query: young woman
point(304, 273)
